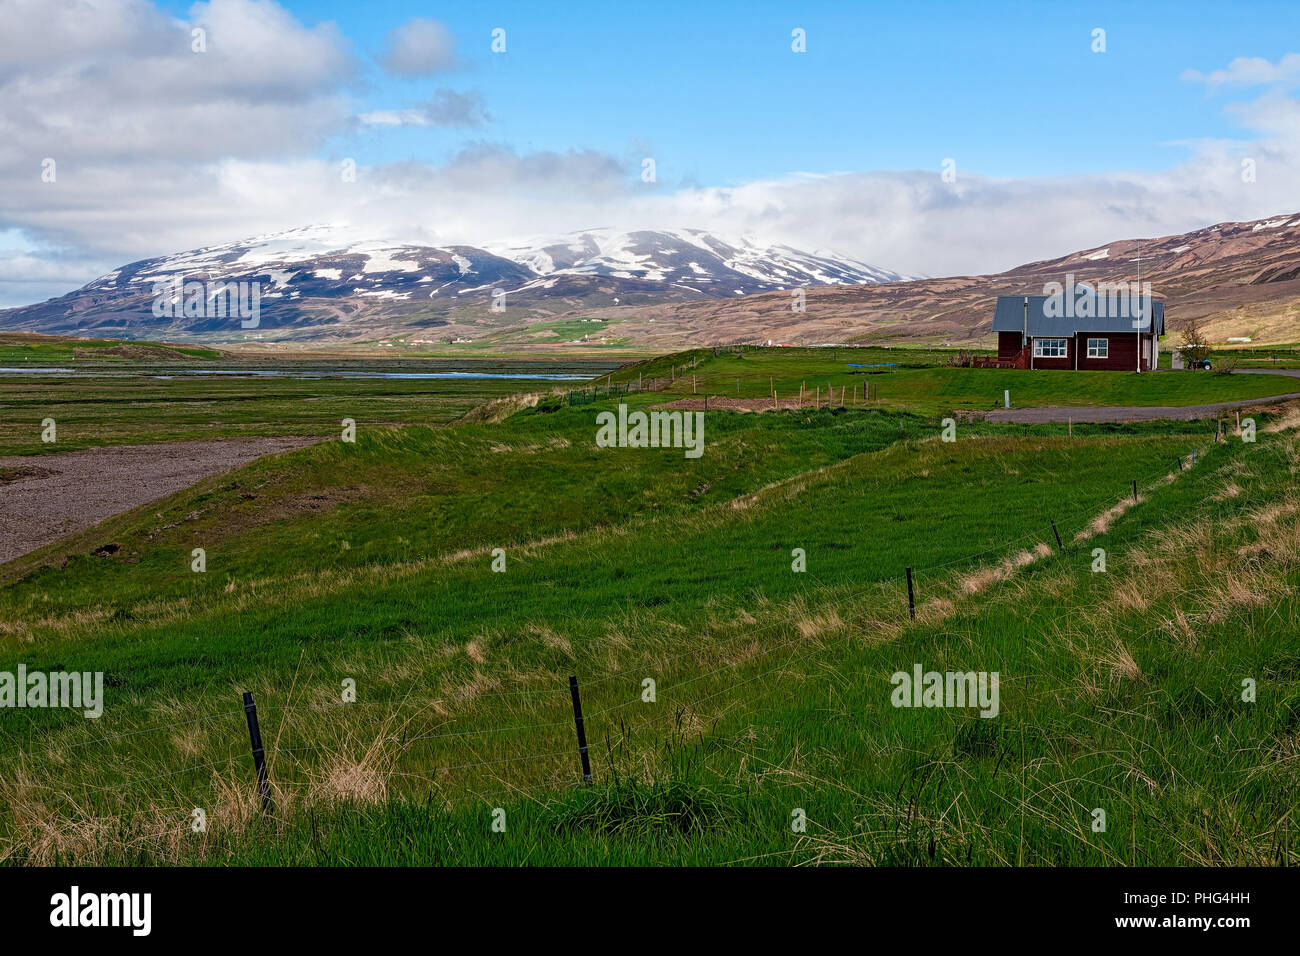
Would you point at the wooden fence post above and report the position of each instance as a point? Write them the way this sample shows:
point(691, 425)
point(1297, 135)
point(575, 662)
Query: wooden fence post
point(911, 597)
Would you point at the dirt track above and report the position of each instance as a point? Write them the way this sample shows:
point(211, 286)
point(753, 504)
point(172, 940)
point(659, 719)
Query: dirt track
point(51, 496)
point(721, 403)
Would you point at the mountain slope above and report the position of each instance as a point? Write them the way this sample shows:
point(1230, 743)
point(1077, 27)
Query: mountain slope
point(692, 259)
point(322, 282)
point(1240, 279)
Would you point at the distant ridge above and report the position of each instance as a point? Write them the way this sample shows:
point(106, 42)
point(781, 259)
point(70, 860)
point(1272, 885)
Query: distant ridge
point(325, 282)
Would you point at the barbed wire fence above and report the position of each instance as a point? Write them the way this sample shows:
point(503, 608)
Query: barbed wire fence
point(615, 734)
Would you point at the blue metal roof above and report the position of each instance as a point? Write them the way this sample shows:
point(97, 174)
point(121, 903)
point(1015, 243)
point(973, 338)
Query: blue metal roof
point(1108, 315)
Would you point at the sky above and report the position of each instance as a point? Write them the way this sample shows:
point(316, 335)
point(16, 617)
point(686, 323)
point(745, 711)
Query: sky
point(935, 138)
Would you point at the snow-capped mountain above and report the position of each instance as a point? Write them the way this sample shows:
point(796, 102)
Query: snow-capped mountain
point(328, 281)
point(691, 259)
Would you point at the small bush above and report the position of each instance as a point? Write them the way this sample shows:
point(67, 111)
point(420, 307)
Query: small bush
point(961, 360)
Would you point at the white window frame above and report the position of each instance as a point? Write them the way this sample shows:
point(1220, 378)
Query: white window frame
point(1098, 348)
point(1041, 347)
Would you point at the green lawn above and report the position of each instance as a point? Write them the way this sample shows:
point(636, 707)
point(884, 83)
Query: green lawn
point(917, 382)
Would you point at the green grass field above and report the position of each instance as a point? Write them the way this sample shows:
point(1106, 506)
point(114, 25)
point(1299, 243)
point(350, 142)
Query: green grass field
point(24, 349)
point(145, 404)
point(913, 380)
point(578, 334)
point(370, 565)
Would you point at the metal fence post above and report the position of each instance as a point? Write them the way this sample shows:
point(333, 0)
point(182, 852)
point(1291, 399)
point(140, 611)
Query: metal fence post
point(259, 755)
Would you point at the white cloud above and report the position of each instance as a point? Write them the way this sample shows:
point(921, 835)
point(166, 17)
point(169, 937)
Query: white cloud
point(129, 89)
point(1247, 71)
point(160, 150)
point(419, 47)
point(447, 109)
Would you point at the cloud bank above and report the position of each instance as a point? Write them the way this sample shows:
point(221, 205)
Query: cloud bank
point(158, 148)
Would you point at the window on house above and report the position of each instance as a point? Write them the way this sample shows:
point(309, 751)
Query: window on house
point(1051, 348)
point(1098, 348)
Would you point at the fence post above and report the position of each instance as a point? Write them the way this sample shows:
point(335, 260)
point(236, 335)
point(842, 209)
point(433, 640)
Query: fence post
point(582, 734)
point(1135, 491)
point(1180, 462)
point(1059, 546)
point(911, 597)
point(259, 755)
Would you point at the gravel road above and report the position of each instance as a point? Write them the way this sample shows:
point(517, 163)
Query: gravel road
point(1123, 413)
point(51, 496)
point(1140, 413)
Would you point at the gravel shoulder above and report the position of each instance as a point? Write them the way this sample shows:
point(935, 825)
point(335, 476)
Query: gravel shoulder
point(45, 498)
point(1124, 413)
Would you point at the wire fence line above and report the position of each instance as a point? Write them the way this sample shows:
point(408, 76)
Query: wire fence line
point(808, 591)
point(624, 732)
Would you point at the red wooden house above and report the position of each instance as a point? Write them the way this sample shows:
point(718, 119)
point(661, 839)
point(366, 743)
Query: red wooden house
point(1034, 332)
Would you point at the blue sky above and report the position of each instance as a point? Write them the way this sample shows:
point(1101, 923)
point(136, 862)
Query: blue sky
point(717, 95)
point(1057, 148)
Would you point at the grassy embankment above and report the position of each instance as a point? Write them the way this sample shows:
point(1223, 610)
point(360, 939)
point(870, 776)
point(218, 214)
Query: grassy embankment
point(372, 562)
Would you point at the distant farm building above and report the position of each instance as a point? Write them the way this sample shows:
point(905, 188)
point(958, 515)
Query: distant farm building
point(1085, 330)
